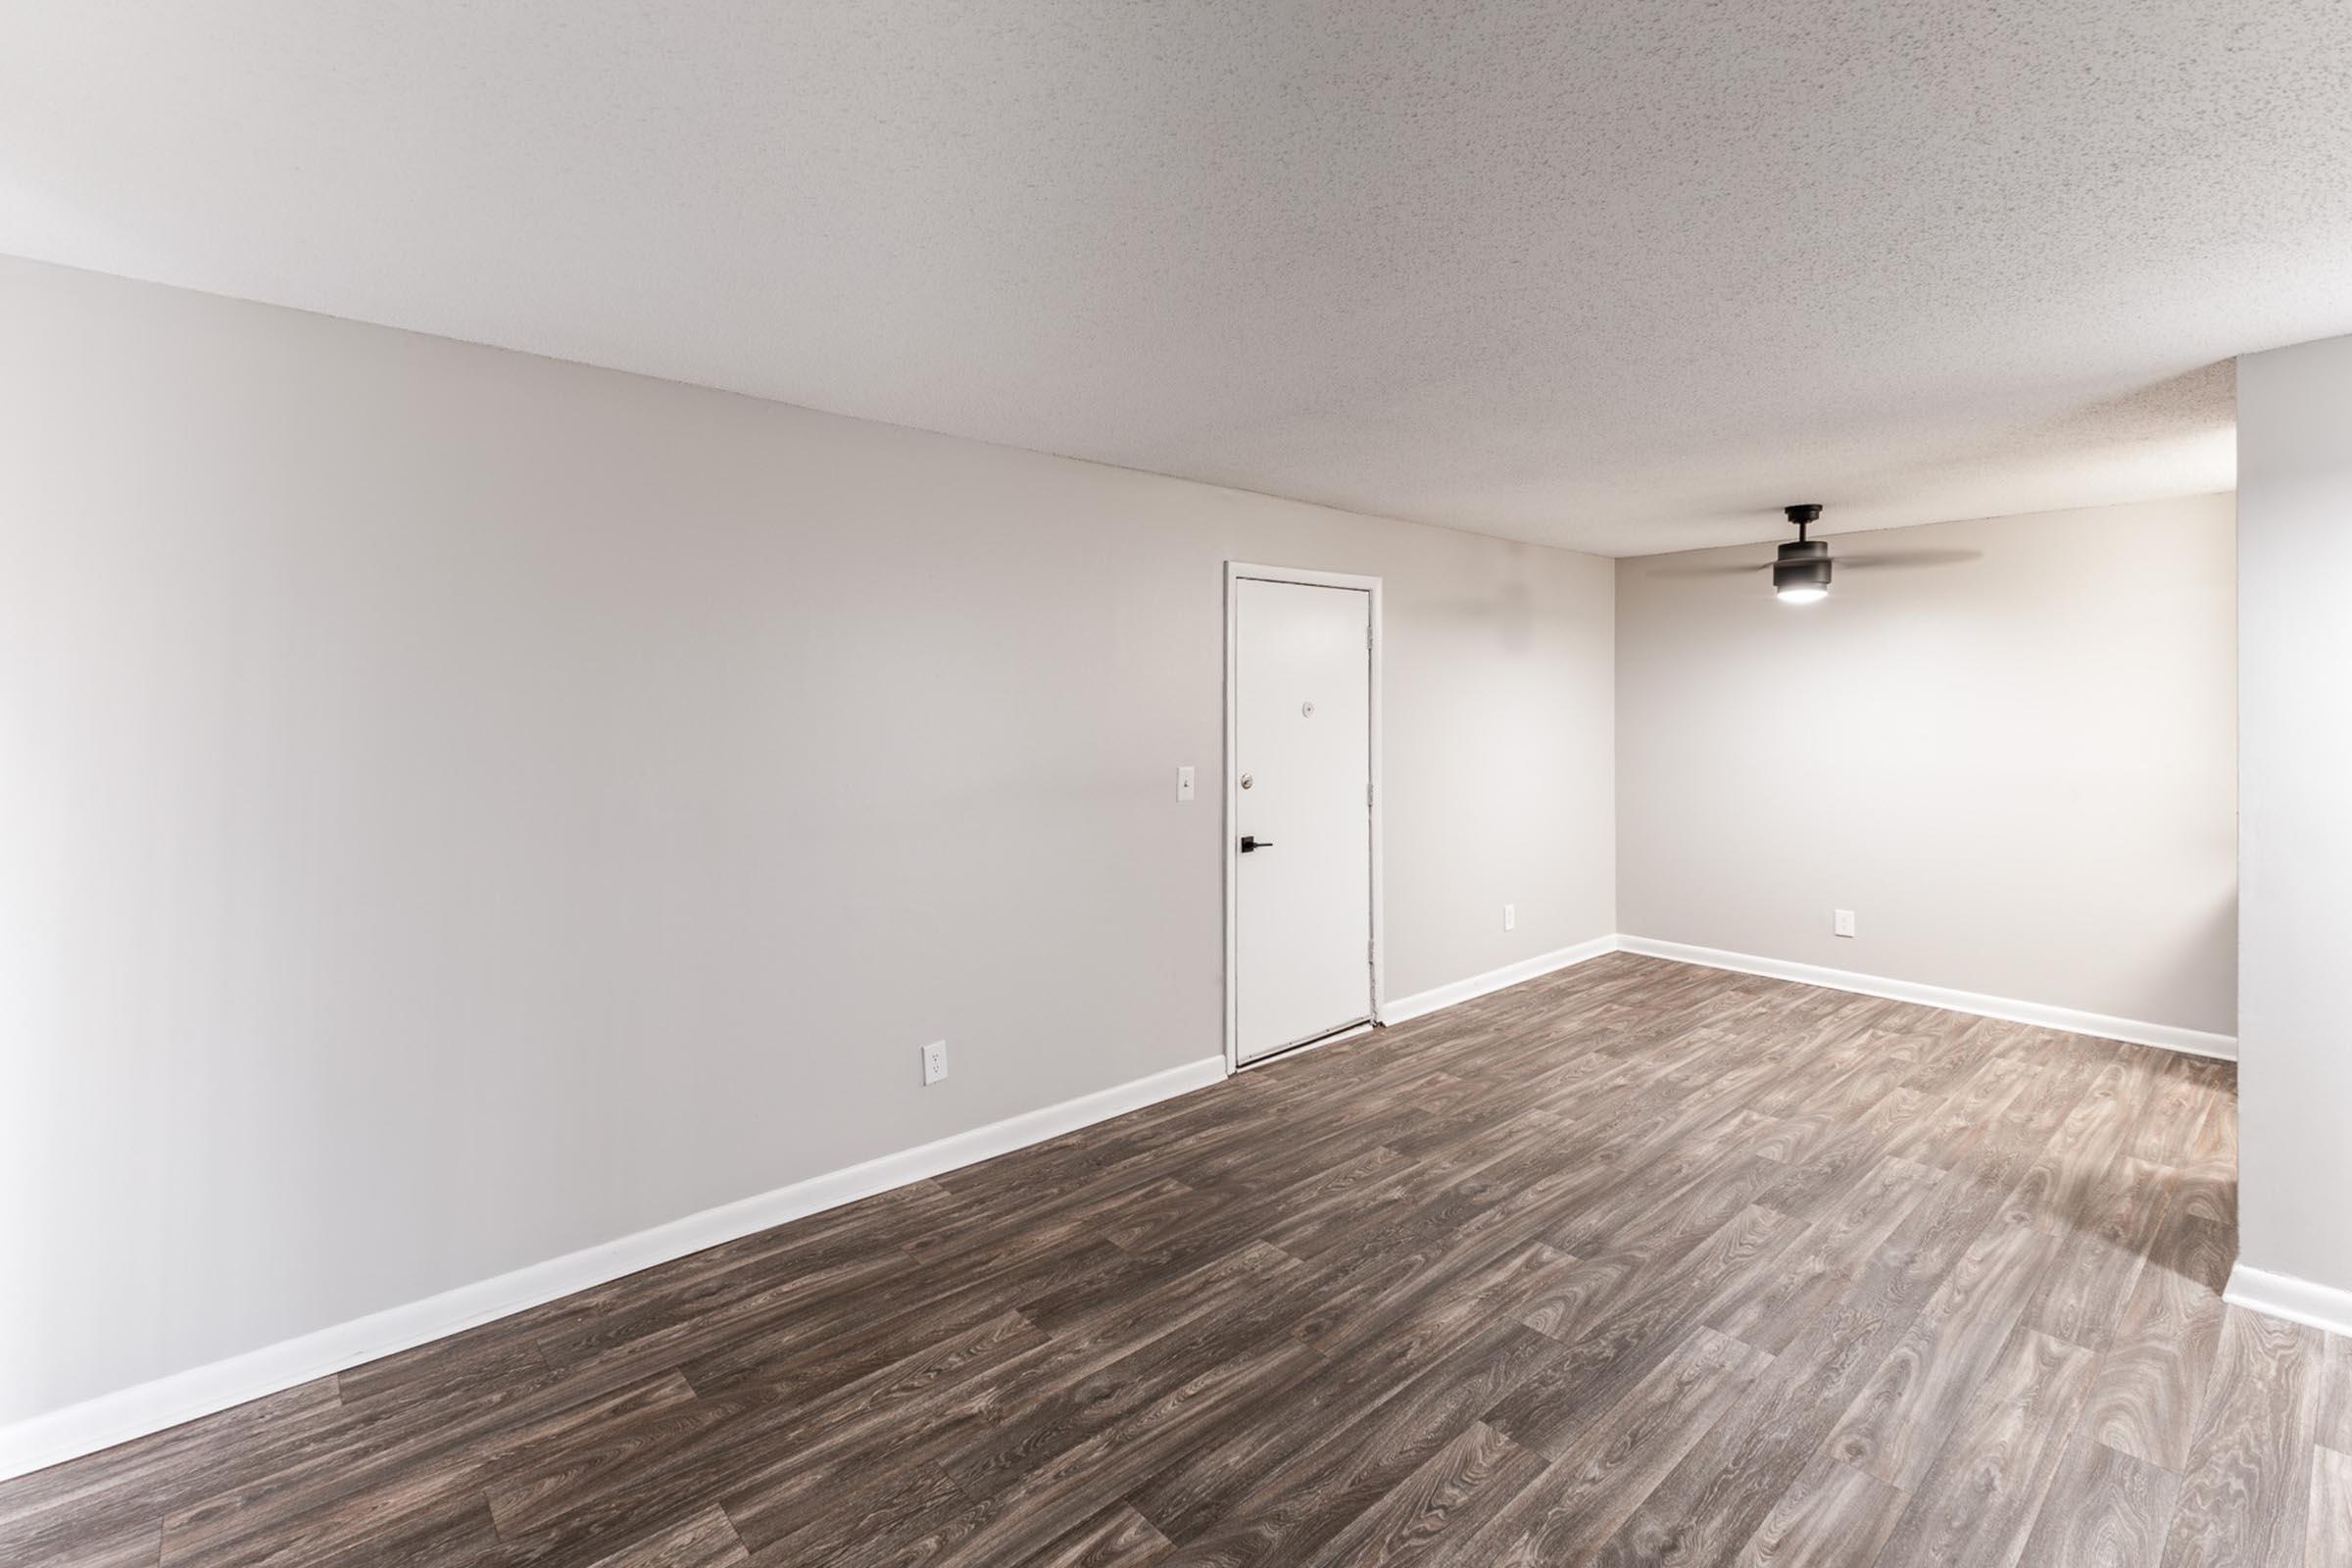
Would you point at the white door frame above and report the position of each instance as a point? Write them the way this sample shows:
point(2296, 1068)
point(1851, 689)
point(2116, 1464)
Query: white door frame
point(1235, 572)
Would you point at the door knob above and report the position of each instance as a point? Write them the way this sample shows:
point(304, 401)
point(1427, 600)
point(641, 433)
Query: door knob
point(1252, 841)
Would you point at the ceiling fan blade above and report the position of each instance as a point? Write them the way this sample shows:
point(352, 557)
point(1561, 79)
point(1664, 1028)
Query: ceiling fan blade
point(1887, 559)
point(1711, 571)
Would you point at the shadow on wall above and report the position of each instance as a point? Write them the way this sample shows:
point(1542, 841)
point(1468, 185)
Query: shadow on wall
point(1509, 608)
point(2219, 935)
point(2195, 1237)
point(2194, 964)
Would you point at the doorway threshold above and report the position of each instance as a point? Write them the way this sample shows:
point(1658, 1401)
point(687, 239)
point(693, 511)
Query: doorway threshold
point(1346, 1031)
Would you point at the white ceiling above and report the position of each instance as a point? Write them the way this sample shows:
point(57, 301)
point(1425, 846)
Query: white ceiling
point(1622, 275)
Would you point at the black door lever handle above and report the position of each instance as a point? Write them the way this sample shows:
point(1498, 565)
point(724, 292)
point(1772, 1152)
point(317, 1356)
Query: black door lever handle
point(1251, 842)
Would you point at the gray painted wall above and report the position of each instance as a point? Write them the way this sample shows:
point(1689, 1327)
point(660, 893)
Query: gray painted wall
point(456, 807)
point(2016, 771)
point(2294, 1083)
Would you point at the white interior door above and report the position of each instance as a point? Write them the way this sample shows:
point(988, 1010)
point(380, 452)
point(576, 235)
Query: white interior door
point(1302, 813)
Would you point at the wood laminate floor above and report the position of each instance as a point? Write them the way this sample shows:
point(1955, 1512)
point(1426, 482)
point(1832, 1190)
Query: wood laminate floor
point(1637, 1263)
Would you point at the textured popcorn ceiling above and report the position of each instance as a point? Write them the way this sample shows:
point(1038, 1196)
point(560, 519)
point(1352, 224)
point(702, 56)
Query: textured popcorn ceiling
point(1617, 275)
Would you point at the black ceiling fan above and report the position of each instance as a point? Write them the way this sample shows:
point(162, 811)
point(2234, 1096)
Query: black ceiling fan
point(1800, 568)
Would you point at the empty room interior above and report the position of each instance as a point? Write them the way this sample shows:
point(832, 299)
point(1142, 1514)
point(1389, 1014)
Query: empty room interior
point(1176, 785)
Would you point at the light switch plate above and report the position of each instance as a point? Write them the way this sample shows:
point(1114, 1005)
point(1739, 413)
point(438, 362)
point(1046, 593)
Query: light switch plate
point(1184, 783)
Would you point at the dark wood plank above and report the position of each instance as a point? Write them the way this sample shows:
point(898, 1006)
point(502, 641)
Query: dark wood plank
point(1426, 1515)
point(386, 1481)
point(1894, 1426)
point(2328, 1528)
point(2152, 1377)
point(1722, 1491)
point(2109, 1233)
point(125, 1491)
point(495, 1353)
point(703, 1540)
point(119, 1546)
point(632, 1474)
point(2105, 1510)
point(2246, 1493)
point(1117, 1538)
point(1834, 1516)
point(1985, 1490)
point(1337, 1475)
point(2209, 1165)
point(1598, 1477)
point(2334, 1419)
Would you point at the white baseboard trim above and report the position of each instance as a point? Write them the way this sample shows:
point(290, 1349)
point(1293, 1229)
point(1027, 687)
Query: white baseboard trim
point(58, 1434)
point(1477, 985)
point(2194, 1042)
point(2321, 1306)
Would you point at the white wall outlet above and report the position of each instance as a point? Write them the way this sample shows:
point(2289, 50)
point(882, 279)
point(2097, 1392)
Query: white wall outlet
point(1184, 783)
point(1510, 917)
point(1842, 921)
point(935, 1062)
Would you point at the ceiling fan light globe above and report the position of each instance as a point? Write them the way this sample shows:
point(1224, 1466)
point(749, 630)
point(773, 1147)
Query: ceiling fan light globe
point(1801, 573)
